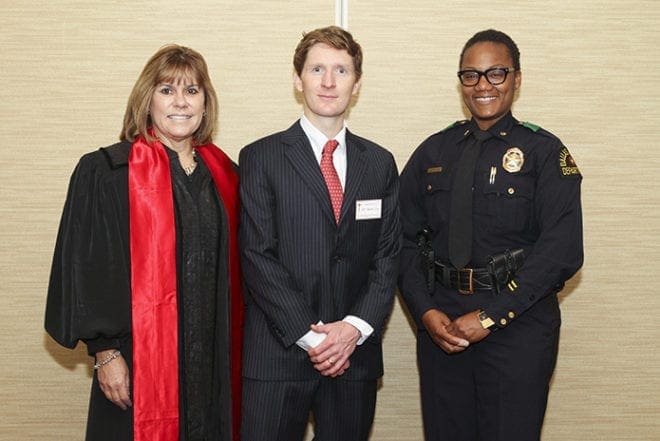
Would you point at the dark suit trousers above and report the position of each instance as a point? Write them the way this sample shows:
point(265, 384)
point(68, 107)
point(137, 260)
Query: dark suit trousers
point(342, 410)
point(497, 389)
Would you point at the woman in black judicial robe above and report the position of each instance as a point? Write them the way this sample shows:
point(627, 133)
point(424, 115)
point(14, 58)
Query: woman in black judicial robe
point(156, 212)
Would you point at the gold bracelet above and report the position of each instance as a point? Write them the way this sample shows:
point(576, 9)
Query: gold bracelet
point(107, 360)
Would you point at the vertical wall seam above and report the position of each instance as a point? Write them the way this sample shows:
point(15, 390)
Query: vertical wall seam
point(341, 13)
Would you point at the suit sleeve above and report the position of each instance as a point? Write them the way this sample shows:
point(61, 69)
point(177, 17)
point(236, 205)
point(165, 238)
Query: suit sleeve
point(269, 284)
point(375, 304)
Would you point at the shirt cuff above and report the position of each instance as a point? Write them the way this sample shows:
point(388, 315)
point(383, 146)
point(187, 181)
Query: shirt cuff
point(311, 339)
point(365, 328)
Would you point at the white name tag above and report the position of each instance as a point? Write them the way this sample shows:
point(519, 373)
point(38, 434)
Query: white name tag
point(368, 209)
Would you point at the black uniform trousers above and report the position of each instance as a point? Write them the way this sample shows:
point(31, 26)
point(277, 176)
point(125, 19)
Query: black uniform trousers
point(495, 390)
point(342, 410)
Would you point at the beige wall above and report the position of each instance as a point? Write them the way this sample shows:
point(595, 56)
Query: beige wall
point(590, 75)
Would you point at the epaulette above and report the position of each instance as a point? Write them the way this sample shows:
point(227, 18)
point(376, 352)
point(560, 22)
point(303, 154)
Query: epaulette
point(455, 124)
point(536, 129)
point(531, 126)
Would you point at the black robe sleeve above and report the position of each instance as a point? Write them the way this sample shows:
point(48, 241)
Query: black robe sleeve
point(89, 289)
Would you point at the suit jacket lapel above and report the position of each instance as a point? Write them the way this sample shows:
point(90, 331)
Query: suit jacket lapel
point(356, 168)
point(301, 156)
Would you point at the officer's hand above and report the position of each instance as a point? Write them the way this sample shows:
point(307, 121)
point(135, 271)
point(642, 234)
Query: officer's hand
point(436, 322)
point(468, 327)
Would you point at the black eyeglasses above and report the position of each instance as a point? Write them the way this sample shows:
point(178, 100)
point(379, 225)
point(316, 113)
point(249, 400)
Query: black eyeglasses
point(494, 75)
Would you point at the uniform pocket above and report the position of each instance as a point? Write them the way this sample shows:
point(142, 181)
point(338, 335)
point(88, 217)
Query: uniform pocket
point(437, 191)
point(510, 202)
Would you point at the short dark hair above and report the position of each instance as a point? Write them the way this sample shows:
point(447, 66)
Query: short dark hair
point(493, 36)
point(333, 36)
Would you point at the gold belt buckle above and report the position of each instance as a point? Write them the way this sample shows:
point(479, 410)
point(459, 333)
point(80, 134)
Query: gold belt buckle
point(469, 273)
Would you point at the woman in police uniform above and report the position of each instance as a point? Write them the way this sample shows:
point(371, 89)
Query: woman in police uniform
point(499, 202)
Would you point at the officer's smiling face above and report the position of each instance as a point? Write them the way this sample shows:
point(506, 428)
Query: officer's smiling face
point(488, 103)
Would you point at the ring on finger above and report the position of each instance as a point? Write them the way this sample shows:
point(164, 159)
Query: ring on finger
point(331, 361)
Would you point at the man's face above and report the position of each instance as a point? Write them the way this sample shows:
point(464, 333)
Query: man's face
point(327, 82)
point(488, 103)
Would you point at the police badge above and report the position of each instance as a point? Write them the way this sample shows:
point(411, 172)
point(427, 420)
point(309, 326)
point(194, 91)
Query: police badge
point(513, 160)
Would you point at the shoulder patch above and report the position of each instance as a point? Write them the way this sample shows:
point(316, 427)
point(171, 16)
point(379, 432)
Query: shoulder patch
point(455, 124)
point(531, 126)
point(567, 165)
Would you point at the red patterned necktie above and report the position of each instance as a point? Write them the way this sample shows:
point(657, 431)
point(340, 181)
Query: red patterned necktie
point(331, 177)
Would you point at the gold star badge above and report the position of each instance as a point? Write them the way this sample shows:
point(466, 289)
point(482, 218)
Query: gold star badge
point(513, 160)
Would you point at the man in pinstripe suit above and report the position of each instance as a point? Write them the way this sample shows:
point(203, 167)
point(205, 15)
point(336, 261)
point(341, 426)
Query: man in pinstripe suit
point(320, 280)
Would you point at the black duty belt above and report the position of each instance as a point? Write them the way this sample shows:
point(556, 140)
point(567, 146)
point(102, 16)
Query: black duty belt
point(465, 281)
point(499, 271)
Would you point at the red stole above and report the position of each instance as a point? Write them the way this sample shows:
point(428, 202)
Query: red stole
point(153, 287)
point(226, 181)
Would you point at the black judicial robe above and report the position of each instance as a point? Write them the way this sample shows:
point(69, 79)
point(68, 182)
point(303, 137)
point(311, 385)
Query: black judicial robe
point(89, 296)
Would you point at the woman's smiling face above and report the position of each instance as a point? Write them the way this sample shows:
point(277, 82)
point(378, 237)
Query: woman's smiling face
point(488, 103)
point(177, 109)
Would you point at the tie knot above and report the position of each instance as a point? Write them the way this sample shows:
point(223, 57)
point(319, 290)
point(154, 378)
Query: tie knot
point(482, 135)
point(330, 146)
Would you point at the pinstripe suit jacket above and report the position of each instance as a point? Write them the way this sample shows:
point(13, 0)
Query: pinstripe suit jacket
point(299, 266)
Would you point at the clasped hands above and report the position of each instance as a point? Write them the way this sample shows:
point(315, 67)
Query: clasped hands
point(454, 336)
point(331, 356)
